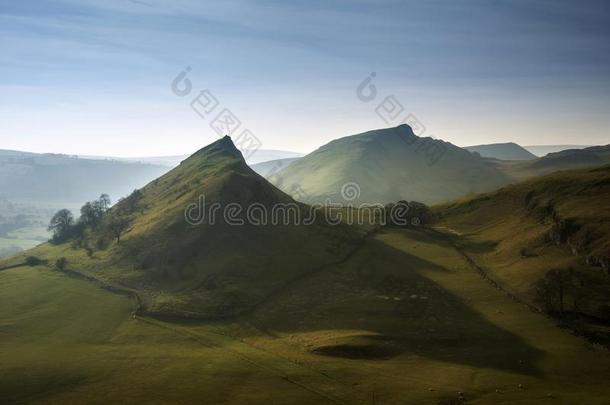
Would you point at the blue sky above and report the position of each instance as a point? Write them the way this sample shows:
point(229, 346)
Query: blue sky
point(93, 77)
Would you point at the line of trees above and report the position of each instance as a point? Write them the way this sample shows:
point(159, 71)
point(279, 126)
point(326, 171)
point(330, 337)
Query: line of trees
point(97, 218)
point(562, 291)
point(407, 214)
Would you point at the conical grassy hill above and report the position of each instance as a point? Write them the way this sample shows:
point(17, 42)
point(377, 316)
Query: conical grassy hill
point(183, 263)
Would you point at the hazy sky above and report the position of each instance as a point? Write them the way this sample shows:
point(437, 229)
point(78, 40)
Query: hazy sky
point(94, 77)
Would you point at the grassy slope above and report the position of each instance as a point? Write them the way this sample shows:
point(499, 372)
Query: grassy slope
point(346, 335)
point(564, 160)
point(393, 164)
point(542, 150)
point(272, 166)
point(404, 319)
point(209, 270)
point(72, 342)
point(507, 231)
point(388, 165)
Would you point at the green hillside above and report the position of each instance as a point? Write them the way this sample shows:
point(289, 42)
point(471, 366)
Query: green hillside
point(502, 151)
point(552, 162)
point(272, 166)
point(393, 164)
point(212, 269)
point(543, 150)
point(559, 222)
point(34, 186)
point(388, 165)
point(405, 319)
point(305, 314)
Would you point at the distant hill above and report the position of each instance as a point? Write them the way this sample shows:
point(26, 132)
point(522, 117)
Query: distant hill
point(4, 153)
point(388, 165)
point(271, 167)
point(392, 164)
point(503, 151)
point(35, 186)
point(212, 269)
point(261, 155)
point(542, 150)
point(265, 155)
point(564, 160)
point(68, 179)
point(573, 158)
point(168, 161)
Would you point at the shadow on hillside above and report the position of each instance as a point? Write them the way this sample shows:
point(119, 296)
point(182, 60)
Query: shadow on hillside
point(398, 311)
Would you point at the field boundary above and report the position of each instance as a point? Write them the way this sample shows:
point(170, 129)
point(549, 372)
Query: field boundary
point(105, 286)
point(484, 274)
point(13, 266)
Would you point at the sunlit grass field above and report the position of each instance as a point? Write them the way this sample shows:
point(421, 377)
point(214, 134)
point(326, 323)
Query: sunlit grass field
point(404, 320)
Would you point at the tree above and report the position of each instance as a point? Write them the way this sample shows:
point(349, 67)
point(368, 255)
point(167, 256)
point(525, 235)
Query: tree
point(129, 204)
point(407, 214)
point(552, 291)
point(116, 225)
point(61, 225)
point(33, 261)
point(104, 202)
point(61, 263)
point(420, 213)
point(90, 215)
point(93, 212)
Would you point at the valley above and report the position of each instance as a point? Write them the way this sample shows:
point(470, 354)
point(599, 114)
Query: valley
point(298, 203)
point(446, 310)
point(405, 319)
